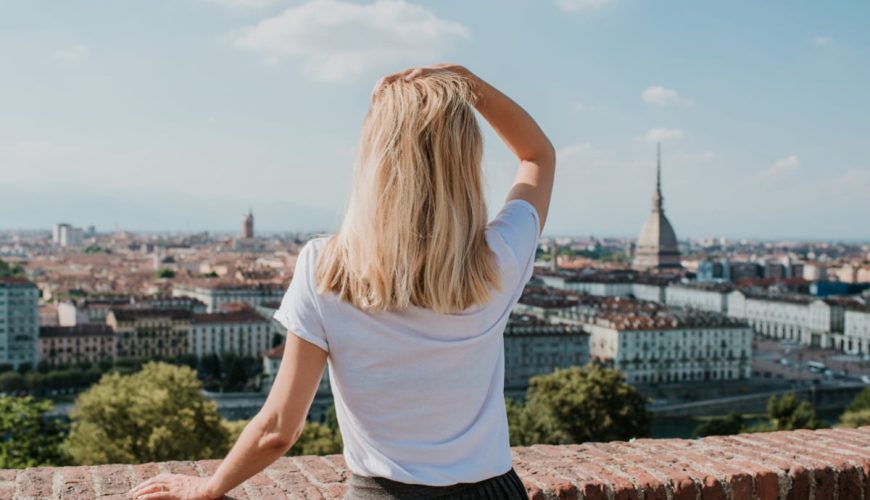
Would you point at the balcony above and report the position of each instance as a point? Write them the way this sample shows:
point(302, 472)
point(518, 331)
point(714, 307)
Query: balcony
point(830, 464)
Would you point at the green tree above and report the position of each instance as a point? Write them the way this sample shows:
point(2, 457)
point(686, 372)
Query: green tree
point(317, 439)
point(156, 414)
point(12, 381)
point(575, 405)
point(165, 272)
point(861, 401)
point(857, 414)
point(10, 271)
point(787, 413)
point(733, 423)
point(27, 437)
point(854, 419)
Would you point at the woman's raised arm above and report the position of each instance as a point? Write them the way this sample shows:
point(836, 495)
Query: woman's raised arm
point(518, 130)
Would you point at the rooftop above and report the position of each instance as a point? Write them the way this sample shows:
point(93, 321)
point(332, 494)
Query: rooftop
point(830, 464)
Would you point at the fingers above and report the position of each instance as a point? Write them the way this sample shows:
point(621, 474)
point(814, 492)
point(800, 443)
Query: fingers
point(150, 485)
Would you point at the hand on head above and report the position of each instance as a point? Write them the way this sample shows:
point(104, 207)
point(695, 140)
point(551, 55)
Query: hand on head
point(410, 74)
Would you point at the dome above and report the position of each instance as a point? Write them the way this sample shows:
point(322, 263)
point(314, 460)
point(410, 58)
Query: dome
point(657, 246)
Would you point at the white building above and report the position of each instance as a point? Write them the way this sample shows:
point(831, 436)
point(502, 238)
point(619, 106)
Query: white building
point(802, 318)
point(19, 322)
point(668, 346)
point(856, 329)
point(534, 346)
point(244, 333)
point(710, 297)
point(215, 293)
point(66, 235)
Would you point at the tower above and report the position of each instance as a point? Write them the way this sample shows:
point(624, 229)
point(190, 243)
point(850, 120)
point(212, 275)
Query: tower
point(248, 225)
point(657, 246)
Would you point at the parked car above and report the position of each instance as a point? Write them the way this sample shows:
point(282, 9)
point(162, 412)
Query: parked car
point(865, 379)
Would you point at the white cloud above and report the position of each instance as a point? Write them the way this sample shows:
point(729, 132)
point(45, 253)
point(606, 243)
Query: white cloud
point(822, 41)
point(572, 151)
point(337, 40)
point(661, 96)
point(76, 54)
point(575, 5)
point(660, 134)
point(779, 168)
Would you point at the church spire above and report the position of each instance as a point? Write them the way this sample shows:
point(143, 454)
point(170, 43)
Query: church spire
point(658, 199)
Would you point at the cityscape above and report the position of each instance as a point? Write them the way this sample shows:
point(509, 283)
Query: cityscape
point(696, 326)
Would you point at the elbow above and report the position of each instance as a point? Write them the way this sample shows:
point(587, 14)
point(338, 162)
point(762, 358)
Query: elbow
point(545, 156)
point(277, 435)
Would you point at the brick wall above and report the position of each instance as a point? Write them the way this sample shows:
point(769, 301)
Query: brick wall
point(824, 464)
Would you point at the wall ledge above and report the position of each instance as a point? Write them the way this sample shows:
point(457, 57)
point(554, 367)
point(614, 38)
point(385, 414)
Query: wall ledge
point(801, 465)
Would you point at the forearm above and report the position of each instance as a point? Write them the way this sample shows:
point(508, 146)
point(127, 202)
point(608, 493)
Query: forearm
point(259, 444)
point(512, 123)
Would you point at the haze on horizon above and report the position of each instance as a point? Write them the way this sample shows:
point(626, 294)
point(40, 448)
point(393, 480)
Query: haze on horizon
point(183, 114)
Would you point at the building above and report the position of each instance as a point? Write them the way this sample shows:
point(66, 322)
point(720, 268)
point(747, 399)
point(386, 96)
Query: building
point(534, 346)
point(95, 309)
point(19, 322)
point(66, 235)
point(248, 225)
point(805, 319)
point(73, 345)
point(712, 297)
point(215, 293)
point(243, 332)
point(149, 333)
point(856, 329)
point(650, 343)
point(657, 247)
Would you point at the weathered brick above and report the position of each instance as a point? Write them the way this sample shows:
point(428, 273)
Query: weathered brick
point(748, 466)
point(800, 483)
point(76, 482)
point(36, 482)
point(113, 479)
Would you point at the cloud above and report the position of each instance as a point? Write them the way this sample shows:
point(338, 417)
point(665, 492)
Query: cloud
point(575, 5)
point(76, 54)
point(572, 151)
point(661, 96)
point(779, 168)
point(660, 134)
point(243, 4)
point(822, 41)
point(337, 40)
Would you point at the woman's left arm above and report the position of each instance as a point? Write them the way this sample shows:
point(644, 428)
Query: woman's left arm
point(267, 436)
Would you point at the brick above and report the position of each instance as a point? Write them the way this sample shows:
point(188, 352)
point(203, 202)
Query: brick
point(36, 482)
point(186, 467)
point(113, 479)
point(142, 472)
point(76, 482)
point(849, 481)
point(828, 462)
point(800, 483)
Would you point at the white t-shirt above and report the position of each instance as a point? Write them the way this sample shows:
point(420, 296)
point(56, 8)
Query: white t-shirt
point(419, 395)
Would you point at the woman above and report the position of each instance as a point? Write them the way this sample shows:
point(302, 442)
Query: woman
point(408, 302)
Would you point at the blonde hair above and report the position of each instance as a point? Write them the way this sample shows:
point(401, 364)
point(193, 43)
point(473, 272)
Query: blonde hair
point(413, 231)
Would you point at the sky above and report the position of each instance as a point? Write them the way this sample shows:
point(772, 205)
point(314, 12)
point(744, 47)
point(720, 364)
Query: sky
point(185, 114)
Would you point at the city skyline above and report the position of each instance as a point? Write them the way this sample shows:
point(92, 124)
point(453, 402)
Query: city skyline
point(181, 115)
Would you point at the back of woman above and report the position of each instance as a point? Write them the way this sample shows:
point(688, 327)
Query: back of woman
point(407, 302)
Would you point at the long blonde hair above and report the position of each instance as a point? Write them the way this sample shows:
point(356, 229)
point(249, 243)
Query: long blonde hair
point(413, 232)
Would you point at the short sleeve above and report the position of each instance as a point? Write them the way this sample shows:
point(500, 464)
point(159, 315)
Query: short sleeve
point(299, 311)
point(519, 226)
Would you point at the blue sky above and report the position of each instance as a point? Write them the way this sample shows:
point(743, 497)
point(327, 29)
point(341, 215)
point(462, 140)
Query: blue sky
point(182, 114)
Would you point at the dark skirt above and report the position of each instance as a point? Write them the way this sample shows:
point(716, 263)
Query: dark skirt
point(507, 486)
